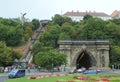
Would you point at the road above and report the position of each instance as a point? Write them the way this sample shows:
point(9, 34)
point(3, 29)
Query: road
point(4, 76)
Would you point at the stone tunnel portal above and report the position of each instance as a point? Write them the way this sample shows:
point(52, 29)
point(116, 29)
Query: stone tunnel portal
point(94, 54)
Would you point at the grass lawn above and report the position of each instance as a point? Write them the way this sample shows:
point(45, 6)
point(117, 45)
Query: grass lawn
point(70, 78)
point(46, 79)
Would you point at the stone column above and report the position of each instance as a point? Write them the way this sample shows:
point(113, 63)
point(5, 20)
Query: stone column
point(98, 58)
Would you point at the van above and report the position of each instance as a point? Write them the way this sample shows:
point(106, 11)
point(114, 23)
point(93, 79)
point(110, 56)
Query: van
point(16, 73)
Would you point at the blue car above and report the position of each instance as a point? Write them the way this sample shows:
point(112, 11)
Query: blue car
point(16, 73)
point(90, 72)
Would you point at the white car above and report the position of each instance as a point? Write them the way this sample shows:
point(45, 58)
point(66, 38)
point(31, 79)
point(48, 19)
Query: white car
point(79, 70)
point(71, 71)
point(98, 70)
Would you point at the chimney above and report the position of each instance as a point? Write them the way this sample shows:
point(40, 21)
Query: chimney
point(89, 11)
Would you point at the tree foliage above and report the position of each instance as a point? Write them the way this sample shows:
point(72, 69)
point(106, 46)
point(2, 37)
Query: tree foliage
point(36, 24)
point(7, 55)
point(50, 36)
point(94, 28)
point(46, 59)
point(27, 31)
point(46, 56)
point(58, 19)
point(115, 55)
point(12, 31)
point(86, 17)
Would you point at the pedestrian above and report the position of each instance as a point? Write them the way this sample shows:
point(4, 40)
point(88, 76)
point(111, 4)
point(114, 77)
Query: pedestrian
point(113, 67)
point(39, 68)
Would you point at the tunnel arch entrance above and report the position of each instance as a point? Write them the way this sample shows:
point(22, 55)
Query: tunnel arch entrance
point(91, 56)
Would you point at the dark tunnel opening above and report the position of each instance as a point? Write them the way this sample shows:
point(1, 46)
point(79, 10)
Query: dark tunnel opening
point(83, 60)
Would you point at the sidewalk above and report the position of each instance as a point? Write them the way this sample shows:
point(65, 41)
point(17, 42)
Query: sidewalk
point(3, 74)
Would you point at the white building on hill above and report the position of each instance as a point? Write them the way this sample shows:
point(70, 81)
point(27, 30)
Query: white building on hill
point(116, 14)
point(78, 16)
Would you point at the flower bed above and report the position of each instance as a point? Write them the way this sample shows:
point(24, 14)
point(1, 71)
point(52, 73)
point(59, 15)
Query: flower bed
point(46, 75)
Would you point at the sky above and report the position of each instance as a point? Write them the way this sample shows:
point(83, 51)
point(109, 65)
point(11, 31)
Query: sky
point(46, 9)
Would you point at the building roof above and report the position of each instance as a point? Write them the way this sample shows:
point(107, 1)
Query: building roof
point(116, 12)
point(84, 13)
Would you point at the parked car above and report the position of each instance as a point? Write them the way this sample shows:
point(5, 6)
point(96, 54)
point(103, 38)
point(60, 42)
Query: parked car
point(71, 71)
point(91, 71)
point(98, 70)
point(79, 70)
point(16, 73)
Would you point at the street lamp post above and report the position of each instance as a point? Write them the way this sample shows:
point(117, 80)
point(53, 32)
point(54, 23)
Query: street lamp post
point(16, 62)
point(53, 45)
point(23, 21)
point(71, 58)
point(52, 64)
point(52, 67)
point(23, 18)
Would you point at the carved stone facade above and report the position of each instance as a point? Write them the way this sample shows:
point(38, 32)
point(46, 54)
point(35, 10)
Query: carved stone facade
point(93, 54)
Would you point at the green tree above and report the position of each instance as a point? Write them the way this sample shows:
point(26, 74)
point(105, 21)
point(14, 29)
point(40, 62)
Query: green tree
point(5, 54)
point(46, 59)
point(10, 31)
point(3, 32)
point(94, 28)
point(86, 17)
point(36, 24)
point(67, 30)
point(78, 32)
point(58, 19)
point(27, 30)
point(64, 36)
point(50, 36)
point(8, 22)
point(115, 55)
point(14, 36)
point(116, 21)
point(37, 48)
point(16, 55)
point(113, 33)
point(44, 56)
